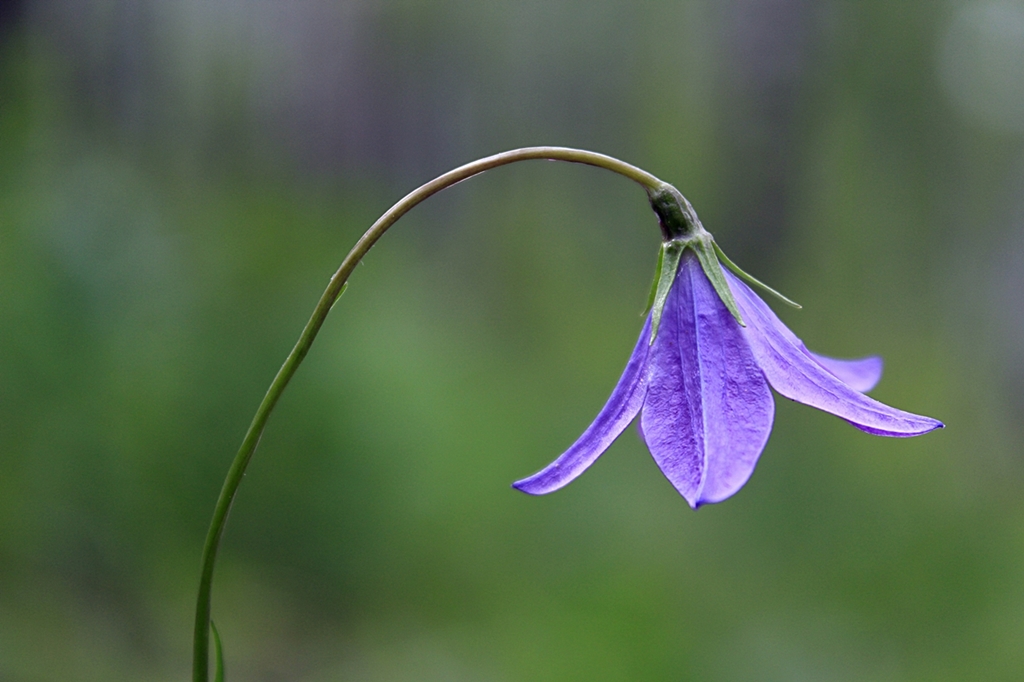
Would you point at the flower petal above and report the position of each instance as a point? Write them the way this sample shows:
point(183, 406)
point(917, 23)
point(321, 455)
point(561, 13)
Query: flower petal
point(708, 410)
point(860, 375)
point(621, 408)
point(794, 373)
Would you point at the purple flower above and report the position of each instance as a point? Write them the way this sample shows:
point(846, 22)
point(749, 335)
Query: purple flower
point(700, 385)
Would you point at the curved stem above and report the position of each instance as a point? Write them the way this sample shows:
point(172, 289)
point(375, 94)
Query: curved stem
point(201, 641)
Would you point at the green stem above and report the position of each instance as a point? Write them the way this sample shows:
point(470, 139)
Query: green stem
point(201, 641)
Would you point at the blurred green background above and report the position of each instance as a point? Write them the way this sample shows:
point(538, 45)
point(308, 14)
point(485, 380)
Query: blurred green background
point(178, 180)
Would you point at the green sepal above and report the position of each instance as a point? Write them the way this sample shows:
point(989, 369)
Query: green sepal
point(218, 655)
point(668, 263)
point(654, 284)
point(713, 269)
point(751, 279)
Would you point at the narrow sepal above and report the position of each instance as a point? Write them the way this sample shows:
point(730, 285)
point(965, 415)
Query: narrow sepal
point(671, 252)
point(621, 408)
point(713, 269)
point(794, 373)
point(708, 411)
point(657, 280)
point(750, 278)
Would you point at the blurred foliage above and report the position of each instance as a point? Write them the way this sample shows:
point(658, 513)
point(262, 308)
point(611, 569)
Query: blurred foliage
point(179, 180)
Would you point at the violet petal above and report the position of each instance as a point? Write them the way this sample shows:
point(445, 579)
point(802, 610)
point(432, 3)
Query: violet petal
point(860, 375)
point(708, 411)
point(792, 372)
point(621, 408)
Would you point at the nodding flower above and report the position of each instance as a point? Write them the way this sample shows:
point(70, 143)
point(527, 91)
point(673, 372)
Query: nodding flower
point(699, 376)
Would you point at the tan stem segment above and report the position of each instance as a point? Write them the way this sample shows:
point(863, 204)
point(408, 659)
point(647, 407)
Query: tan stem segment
point(201, 641)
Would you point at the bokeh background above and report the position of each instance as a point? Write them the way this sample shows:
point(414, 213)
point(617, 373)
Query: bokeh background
point(179, 179)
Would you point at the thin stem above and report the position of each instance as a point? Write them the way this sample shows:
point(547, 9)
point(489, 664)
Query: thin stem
point(201, 641)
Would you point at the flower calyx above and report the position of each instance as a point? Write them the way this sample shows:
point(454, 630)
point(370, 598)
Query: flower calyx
point(681, 229)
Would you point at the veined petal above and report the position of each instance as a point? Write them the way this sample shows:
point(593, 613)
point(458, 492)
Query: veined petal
point(708, 410)
point(794, 373)
point(621, 408)
point(860, 375)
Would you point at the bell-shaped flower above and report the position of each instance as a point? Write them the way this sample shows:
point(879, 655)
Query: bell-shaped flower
point(699, 377)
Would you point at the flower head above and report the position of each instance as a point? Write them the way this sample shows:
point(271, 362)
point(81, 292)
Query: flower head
point(699, 376)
